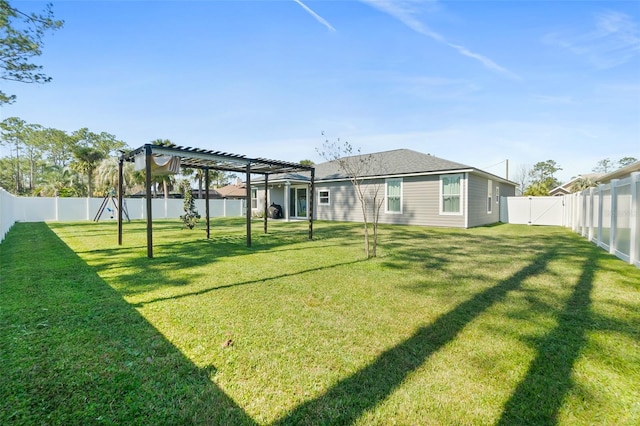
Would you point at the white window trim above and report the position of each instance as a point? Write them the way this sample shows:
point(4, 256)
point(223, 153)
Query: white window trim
point(386, 196)
point(256, 198)
point(328, 203)
point(441, 195)
point(497, 195)
point(489, 196)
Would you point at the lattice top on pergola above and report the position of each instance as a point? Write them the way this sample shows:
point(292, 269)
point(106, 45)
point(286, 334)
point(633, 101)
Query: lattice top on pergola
point(197, 158)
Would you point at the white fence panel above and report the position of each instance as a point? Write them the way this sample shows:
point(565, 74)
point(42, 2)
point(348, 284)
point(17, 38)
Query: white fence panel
point(534, 211)
point(42, 209)
point(622, 234)
point(609, 215)
point(7, 216)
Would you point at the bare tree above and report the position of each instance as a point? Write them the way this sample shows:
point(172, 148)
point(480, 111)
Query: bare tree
point(356, 168)
point(604, 166)
point(521, 177)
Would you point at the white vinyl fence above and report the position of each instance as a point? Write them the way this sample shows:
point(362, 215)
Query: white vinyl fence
point(608, 215)
point(40, 209)
point(532, 210)
point(7, 218)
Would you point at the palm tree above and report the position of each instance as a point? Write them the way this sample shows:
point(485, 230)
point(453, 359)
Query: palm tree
point(107, 174)
point(86, 161)
point(58, 181)
point(581, 184)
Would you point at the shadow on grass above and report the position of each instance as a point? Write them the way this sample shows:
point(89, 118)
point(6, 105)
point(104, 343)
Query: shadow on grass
point(188, 250)
point(539, 396)
point(351, 397)
point(74, 352)
point(258, 281)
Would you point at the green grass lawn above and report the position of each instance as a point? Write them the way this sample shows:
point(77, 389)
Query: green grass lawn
point(495, 325)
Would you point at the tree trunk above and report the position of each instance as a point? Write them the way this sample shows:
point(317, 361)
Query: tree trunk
point(89, 186)
point(366, 227)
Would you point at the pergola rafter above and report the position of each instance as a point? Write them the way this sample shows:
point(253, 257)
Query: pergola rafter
point(196, 158)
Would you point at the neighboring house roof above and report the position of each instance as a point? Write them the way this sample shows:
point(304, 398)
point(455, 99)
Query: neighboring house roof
point(233, 191)
point(397, 162)
point(566, 187)
point(620, 173)
point(212, 193)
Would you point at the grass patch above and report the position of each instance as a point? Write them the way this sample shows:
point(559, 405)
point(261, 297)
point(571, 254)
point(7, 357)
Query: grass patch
point(505, 324)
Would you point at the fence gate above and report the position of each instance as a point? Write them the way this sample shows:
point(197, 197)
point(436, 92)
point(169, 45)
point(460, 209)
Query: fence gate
point(532, 210)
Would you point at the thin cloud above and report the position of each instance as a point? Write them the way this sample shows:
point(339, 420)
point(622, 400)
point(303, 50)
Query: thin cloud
point(614, 41)
point(315, 15)
point(405, 11)
point(559, 100)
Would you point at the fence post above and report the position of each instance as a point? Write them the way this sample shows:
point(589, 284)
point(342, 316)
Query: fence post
point(634, 220)
point(583, 213)
point(613, 231)
point(591, 215)
point(600, 209)
point(578, 212)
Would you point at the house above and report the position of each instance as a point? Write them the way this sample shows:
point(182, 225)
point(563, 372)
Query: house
point(565, 189)
point(235, 191)
point(622, 173)
point(414, 188)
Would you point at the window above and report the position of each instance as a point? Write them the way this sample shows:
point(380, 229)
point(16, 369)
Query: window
point(323, 197)
point(497, 194)
point(393, 195)
point(450, 194)
point(254, 198)
point(489, 196)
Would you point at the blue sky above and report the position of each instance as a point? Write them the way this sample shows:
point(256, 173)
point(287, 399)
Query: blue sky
point(475, 82)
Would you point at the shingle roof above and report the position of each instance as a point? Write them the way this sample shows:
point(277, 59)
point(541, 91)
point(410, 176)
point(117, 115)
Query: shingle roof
point(231, 191)
point(620, 173)
point(395, 162)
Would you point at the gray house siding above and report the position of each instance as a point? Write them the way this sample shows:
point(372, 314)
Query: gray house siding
point(478, 199)
point(418, 200)
point(343, 203)
point(420, 203)
point(478, 193)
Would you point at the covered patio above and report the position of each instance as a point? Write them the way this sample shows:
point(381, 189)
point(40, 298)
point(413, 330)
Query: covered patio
point(159, 159)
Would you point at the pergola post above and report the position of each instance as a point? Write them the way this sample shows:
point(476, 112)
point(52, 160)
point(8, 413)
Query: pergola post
point(120, 194)
point(311, 202)
point(148, 160)
point(266, 201)
point(248, 203)
point(287, 195)
point(206, 197)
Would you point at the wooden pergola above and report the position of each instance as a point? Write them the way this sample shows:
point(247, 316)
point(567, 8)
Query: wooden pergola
point(206, 160)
